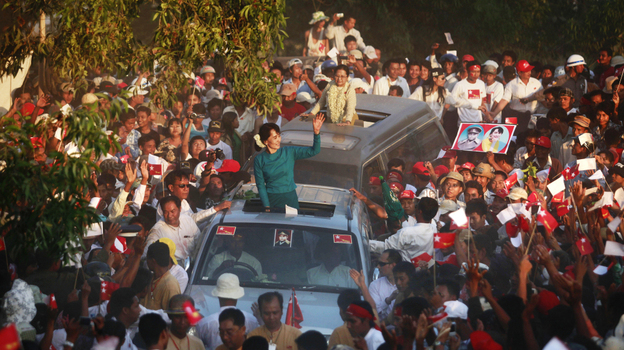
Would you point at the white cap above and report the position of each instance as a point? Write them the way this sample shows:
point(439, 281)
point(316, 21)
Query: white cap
point(94, 230)
point(559, 71)
point(89, 98)
point(456, 309)
point(305, 97)
point(370, 52)
point(228, 287)
point(490, 63)
point(358, 83)
point(575, 60)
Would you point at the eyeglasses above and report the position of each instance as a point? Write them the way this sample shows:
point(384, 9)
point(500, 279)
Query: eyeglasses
point(382, 264)
point(184, 185)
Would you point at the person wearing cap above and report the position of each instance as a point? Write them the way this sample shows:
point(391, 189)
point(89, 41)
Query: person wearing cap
point(371, 60)
point(382, 86)
point(468, 96)
point(579, 125)
point(361, 324)
point(67, 94)
point(528, 150)
point(472, 140)
point(422, 186)
point(228, 291)
point(434, 93)
point(493, 89)
point(279, 335)
point(518, 91)
point(338, 33)
point(339, 98)
point(301, 80)
point(207, 73)
point(137, 96)
point(583, 148)
point(542, 159)
point(452, 186)
point(176, 270)
point(517, 195)
point(566, 100)
point(305, 99)
point(466, 171)
point(483, 173)
point(180, 325)
point(408, 203)
point(289, 107)
point(215, 132)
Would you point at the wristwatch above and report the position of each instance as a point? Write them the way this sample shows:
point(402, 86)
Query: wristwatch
point(68, 343)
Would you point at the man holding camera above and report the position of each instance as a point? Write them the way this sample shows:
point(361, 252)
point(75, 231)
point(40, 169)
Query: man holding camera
point(215, 132)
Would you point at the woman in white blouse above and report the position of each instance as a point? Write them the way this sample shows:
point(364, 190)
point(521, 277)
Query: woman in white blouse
point(434, 93)
point(339, 96)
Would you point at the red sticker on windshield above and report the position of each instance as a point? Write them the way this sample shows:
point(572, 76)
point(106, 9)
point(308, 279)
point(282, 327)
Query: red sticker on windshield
point(226, 230)
point(345, 239)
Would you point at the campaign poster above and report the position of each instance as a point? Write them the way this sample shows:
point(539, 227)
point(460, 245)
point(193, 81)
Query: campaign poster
point(478, 137)
point(282, 238)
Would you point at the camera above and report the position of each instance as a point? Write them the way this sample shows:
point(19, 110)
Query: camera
point(197, 116)
point(211, 155)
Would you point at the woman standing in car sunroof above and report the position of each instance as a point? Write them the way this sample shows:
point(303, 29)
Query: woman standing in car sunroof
point(274, 168)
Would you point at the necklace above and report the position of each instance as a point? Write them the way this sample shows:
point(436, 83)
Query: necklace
point(154, 285)
point(188, 342)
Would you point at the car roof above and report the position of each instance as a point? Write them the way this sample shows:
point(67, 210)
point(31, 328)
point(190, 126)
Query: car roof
point(393, 116)
point(338, 200)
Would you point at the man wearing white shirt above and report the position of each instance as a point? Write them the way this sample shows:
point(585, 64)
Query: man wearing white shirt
point(228, 291)
point(469, 95)
point(414, 242)
point(382, 86)
point(246, 119)
point(215, 132)
point(383, 290)
point(338, 34)
point(178, 227)
point(493, 89)
point(518, 92)
point(360, 322)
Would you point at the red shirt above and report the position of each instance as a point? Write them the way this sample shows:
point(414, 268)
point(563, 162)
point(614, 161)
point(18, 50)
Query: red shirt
point(290, 113)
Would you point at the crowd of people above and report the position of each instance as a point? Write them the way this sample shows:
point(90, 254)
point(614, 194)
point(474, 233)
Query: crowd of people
point(519, 250)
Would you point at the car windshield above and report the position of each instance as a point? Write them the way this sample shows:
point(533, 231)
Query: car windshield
point(280, 256)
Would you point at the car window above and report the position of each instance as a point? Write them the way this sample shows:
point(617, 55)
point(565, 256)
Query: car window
point(421, 145)
point(280, 255)
point(325, 174)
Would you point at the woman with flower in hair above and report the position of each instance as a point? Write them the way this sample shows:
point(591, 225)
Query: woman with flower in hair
point(340, 99)
point(274, 168)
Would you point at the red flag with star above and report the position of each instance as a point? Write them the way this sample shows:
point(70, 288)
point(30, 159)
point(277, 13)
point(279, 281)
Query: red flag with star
point(570, 173)
point(9, 338)
point(584, 246)
point(455, 227)
point(294, 316)
point(511, 181)
point(191, 313)
point(155, 169)
point(523, 223)
point(547, 220)
point(564, 207)
point(558, 198)
point(107, 289)
point(422, 257)
point(443, 240)
point(53, 305)
point(604, 211)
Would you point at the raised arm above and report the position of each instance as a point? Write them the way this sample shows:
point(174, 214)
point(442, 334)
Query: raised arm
point(307, 152)
point(184, 151)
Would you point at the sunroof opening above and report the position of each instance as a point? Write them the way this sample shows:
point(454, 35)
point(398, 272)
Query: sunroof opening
point(365, 118)
point(254, 205)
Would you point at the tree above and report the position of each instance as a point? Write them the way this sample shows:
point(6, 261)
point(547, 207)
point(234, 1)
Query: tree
point(49, 207)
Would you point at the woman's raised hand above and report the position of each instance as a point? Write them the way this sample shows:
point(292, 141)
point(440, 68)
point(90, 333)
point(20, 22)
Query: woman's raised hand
point(318, 122)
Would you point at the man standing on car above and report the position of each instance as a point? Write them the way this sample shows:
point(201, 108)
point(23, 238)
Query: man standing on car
point(280, 336)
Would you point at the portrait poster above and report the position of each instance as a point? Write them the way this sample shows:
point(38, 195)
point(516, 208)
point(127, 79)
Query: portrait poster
point(479, 137)
point(283, 238)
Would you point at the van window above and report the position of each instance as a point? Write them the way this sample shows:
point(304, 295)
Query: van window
point(325, 174)
point(423, 144)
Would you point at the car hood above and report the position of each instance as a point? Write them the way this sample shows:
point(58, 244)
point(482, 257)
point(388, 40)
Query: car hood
point(319, 309)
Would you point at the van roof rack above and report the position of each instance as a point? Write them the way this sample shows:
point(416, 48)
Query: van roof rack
point(254, 205)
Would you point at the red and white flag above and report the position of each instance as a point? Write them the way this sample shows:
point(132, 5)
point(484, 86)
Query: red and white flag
point(547, 220)
point(155, 169)
point(9, 338)
point(564, 207)
point(422, 257)
point(558, 198)
point(570, 173)
point(511, 181)
point(584, 246)
point(107, 289)
point(53, 304)
point(191, 313)
point(443, 240)
point(294, 316)
point(119, 246)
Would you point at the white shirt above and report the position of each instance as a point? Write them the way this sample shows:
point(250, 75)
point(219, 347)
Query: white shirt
point(516, 89)
point(245, 121)
point(410, 241)
point(494, 93)
point(220, 258)
point(338, 34)
point(208, 327)
point(374, 339)
point(520, 156)
point(180, 274)
point(379, 290)
point(183, 235)
point(227, 150)
point(338, 277)
point(468, 98)
point(451, 81)
point(382, 86)
point(431, 99)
